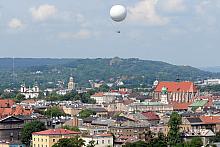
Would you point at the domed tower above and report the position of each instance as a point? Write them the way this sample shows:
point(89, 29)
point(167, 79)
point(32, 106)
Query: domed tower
point(71, 84)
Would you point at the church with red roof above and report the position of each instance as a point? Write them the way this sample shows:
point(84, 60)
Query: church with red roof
point(184, 91)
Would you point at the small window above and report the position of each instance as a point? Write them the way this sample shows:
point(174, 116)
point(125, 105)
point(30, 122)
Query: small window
point(46, 140)
point(42, 145)
point(108, 141)
point(42, 140)
point(34, 145)
point(34, 139)
point(103, 141)
point(38, 139)
point(38, 145)
point(97, 142)
point(54, 140)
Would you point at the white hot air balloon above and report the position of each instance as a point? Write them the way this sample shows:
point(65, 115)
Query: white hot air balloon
point(118, 13)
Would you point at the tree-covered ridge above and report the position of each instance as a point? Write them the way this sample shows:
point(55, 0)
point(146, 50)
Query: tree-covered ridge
point(131, 71)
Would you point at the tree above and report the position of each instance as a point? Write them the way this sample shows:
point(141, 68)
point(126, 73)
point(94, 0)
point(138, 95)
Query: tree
point(70, 142)
point(29, 128)
point(196, 142)
point(174, 136)
point(86, 113)
point(74, 128)
point(19, 97)
point(216, 138)
point(137, 144)
point(91, 144)
point(54, 112)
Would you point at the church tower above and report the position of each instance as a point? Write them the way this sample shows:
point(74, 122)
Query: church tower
point(164, 95)
point(71, 84)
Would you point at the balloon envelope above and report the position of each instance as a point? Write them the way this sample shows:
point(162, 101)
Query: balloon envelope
point(118, 13)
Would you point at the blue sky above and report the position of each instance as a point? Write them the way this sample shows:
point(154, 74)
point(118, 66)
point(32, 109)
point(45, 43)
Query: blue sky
point(183, 32)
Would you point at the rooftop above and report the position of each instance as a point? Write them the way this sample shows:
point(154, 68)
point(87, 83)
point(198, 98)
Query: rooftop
point(56, 132)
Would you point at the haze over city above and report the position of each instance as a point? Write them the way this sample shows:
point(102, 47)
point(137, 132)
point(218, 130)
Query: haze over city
point(182, 32)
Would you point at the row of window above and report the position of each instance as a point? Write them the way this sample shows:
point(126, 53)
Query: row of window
point(103, 142)
point(39, 145)
point(42, 140)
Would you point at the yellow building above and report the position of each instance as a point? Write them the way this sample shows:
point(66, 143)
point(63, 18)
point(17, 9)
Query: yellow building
point(48, 138)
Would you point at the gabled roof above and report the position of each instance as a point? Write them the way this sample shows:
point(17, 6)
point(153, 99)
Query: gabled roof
point(210, 119)
point(151, 115)
point(176, 87)
point(99, 94)
point(56, 132)
point(180, 106)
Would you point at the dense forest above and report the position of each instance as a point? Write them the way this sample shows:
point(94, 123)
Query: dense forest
point(133, 72)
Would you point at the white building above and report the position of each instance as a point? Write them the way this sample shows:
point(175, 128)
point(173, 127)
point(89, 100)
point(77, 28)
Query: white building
point(105, 97)
point(212, 82)
point(71, 84)
point(101, 140)
point(30, 92)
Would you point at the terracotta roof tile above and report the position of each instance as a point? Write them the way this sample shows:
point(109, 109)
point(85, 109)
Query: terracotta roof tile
point(180, 106)
point(176, 87)
point(56, 132)
point(151, 115)
point(99, 94)
point(210, 119)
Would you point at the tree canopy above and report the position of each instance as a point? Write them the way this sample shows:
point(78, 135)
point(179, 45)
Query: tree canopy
point(174, 136)
point(29, 128)
point(70, 142)
point(86, 113)
point(54, 112)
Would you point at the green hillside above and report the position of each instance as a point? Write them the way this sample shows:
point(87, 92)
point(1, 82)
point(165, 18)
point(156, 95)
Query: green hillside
point(131, 71)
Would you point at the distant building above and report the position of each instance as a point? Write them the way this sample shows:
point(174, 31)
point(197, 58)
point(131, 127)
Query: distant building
point(175, 91)
point(30, 92)
point(48, 138)
point(211, 82)
point(71, 84)
point(101, 140)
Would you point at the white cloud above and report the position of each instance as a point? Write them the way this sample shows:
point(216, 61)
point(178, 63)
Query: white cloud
point(145, 12)
point(82, 34)
point(174, 5)
point(43, 12)
point(15, 23)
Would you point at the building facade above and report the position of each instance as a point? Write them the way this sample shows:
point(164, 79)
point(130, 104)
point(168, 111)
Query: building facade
point(48, 138)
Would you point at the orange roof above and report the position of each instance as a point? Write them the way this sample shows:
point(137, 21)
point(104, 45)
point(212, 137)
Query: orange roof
point(176, 87)
point(6, 103)
point(56, 132)
point(18, 110)
point(99, 94)
point(210, 119)
point(29, 101)
point(180, 106)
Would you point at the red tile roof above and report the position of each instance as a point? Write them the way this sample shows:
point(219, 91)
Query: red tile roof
point(18, 110)
point(151, 115)
point(176, 87)
point(210, 119)
point(180, 106)
point(56, 132)
point(99, 94)
point(6, 103)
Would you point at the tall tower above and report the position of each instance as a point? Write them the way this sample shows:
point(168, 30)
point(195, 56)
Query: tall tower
point(164, 96)
point(23, 88)
point(71, 84)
